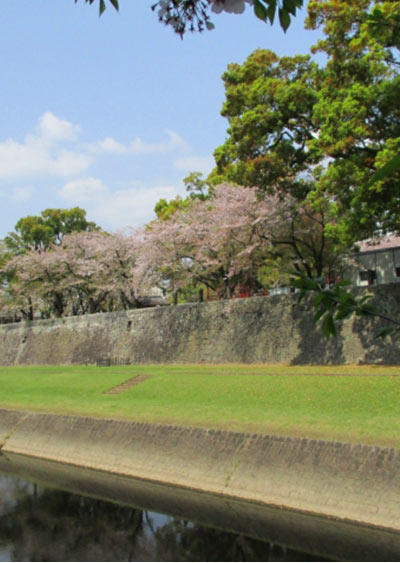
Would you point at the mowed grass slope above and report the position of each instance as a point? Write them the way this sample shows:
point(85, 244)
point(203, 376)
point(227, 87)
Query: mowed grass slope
point(359, 404)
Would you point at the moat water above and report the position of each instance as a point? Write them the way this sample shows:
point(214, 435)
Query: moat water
point(41, 524)
point(54, 512)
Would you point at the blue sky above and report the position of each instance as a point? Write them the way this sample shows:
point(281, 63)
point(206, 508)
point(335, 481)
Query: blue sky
point(111, 113)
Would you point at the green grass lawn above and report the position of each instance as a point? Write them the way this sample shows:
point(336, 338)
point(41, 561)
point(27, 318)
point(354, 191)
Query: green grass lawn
point(359, 404)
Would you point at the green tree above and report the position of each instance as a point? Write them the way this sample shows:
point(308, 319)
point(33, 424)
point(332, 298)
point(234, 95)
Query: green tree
point(164, 209)
point(321, 133)
point(357, 112)
point(269, 106)
point(385, 26)
point(197, 188)
point(40, 231)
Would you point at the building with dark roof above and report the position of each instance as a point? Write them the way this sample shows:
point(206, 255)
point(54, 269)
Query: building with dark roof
point(377, 261)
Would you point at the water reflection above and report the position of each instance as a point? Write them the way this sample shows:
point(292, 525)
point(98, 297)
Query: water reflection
point(40, 524)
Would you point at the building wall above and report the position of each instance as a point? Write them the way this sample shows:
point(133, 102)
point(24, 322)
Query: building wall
point(383, 262)
point(273, 329)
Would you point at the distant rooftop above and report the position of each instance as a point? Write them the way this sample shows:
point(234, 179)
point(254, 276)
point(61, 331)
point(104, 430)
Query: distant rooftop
point(387, 241)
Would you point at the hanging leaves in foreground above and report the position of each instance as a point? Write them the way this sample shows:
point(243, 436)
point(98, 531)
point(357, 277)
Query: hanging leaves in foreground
point(194, 15)
point(338, 303)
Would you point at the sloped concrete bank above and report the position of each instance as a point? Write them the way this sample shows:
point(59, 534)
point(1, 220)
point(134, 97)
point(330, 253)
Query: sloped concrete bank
point(255, 330)
point(327, 538)
point(337, 480)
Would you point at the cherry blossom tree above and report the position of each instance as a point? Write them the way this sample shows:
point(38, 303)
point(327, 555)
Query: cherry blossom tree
point(35, 283)
point(219, 243)
point(224, 242)
point(88, 272)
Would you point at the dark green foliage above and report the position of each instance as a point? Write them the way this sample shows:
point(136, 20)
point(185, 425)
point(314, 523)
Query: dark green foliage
point(196, 187)
point(269, 105)
point(333, 304)
point(193, 15)
point(322, 133)
point(102, 4)
point(39, 231)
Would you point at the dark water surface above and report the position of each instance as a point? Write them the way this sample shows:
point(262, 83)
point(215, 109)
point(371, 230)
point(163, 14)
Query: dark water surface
point(40, 524)
point(43, 518)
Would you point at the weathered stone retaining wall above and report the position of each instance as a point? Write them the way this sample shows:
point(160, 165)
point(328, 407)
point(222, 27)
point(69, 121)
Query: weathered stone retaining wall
point(345, 481)
point(255, 330)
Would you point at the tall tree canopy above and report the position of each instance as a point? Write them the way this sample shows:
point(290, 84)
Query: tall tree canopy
point(358, 111)
point(321, 133)
point(269, 105)
point(39, 231)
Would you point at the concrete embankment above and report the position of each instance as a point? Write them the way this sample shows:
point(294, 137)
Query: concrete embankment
point(345, 481)
point(326, 538)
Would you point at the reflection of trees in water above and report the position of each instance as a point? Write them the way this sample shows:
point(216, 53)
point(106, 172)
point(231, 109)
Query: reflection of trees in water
point(50, 525)
point(181, 541)
point(59, 526)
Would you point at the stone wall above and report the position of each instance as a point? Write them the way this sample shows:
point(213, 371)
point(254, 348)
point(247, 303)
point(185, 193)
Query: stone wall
point(271, 330)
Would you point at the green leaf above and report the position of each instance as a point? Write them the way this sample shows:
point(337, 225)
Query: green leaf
point(343, 312)
point(343, 283)
point(318, 299)
point(301, 296)
point(284, 19)
point(271, 10)
point(260, 10)
point(390, 168)
point(102, 7)
point(364, 312)
point(115, 4)
point(325, 299)
point(328, 326)
point(271, 14)
point(365, 299)
point(319, 314)
point(290, 6)
point(303, 282)
point(344, 297)
point(385, 331)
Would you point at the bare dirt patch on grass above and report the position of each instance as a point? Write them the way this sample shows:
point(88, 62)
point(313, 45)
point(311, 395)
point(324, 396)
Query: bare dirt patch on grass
point(128, 384)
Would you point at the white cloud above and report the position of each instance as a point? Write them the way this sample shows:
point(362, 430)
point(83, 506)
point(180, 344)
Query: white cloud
point(108, 145)
point(137, 146)
point(41, 154)
point(53, 128)
point(55, 149)
point(19, 160)
point(117, 209)
point(21, 194)
point(132, 207)
point(202, 164)
point(83, 191)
